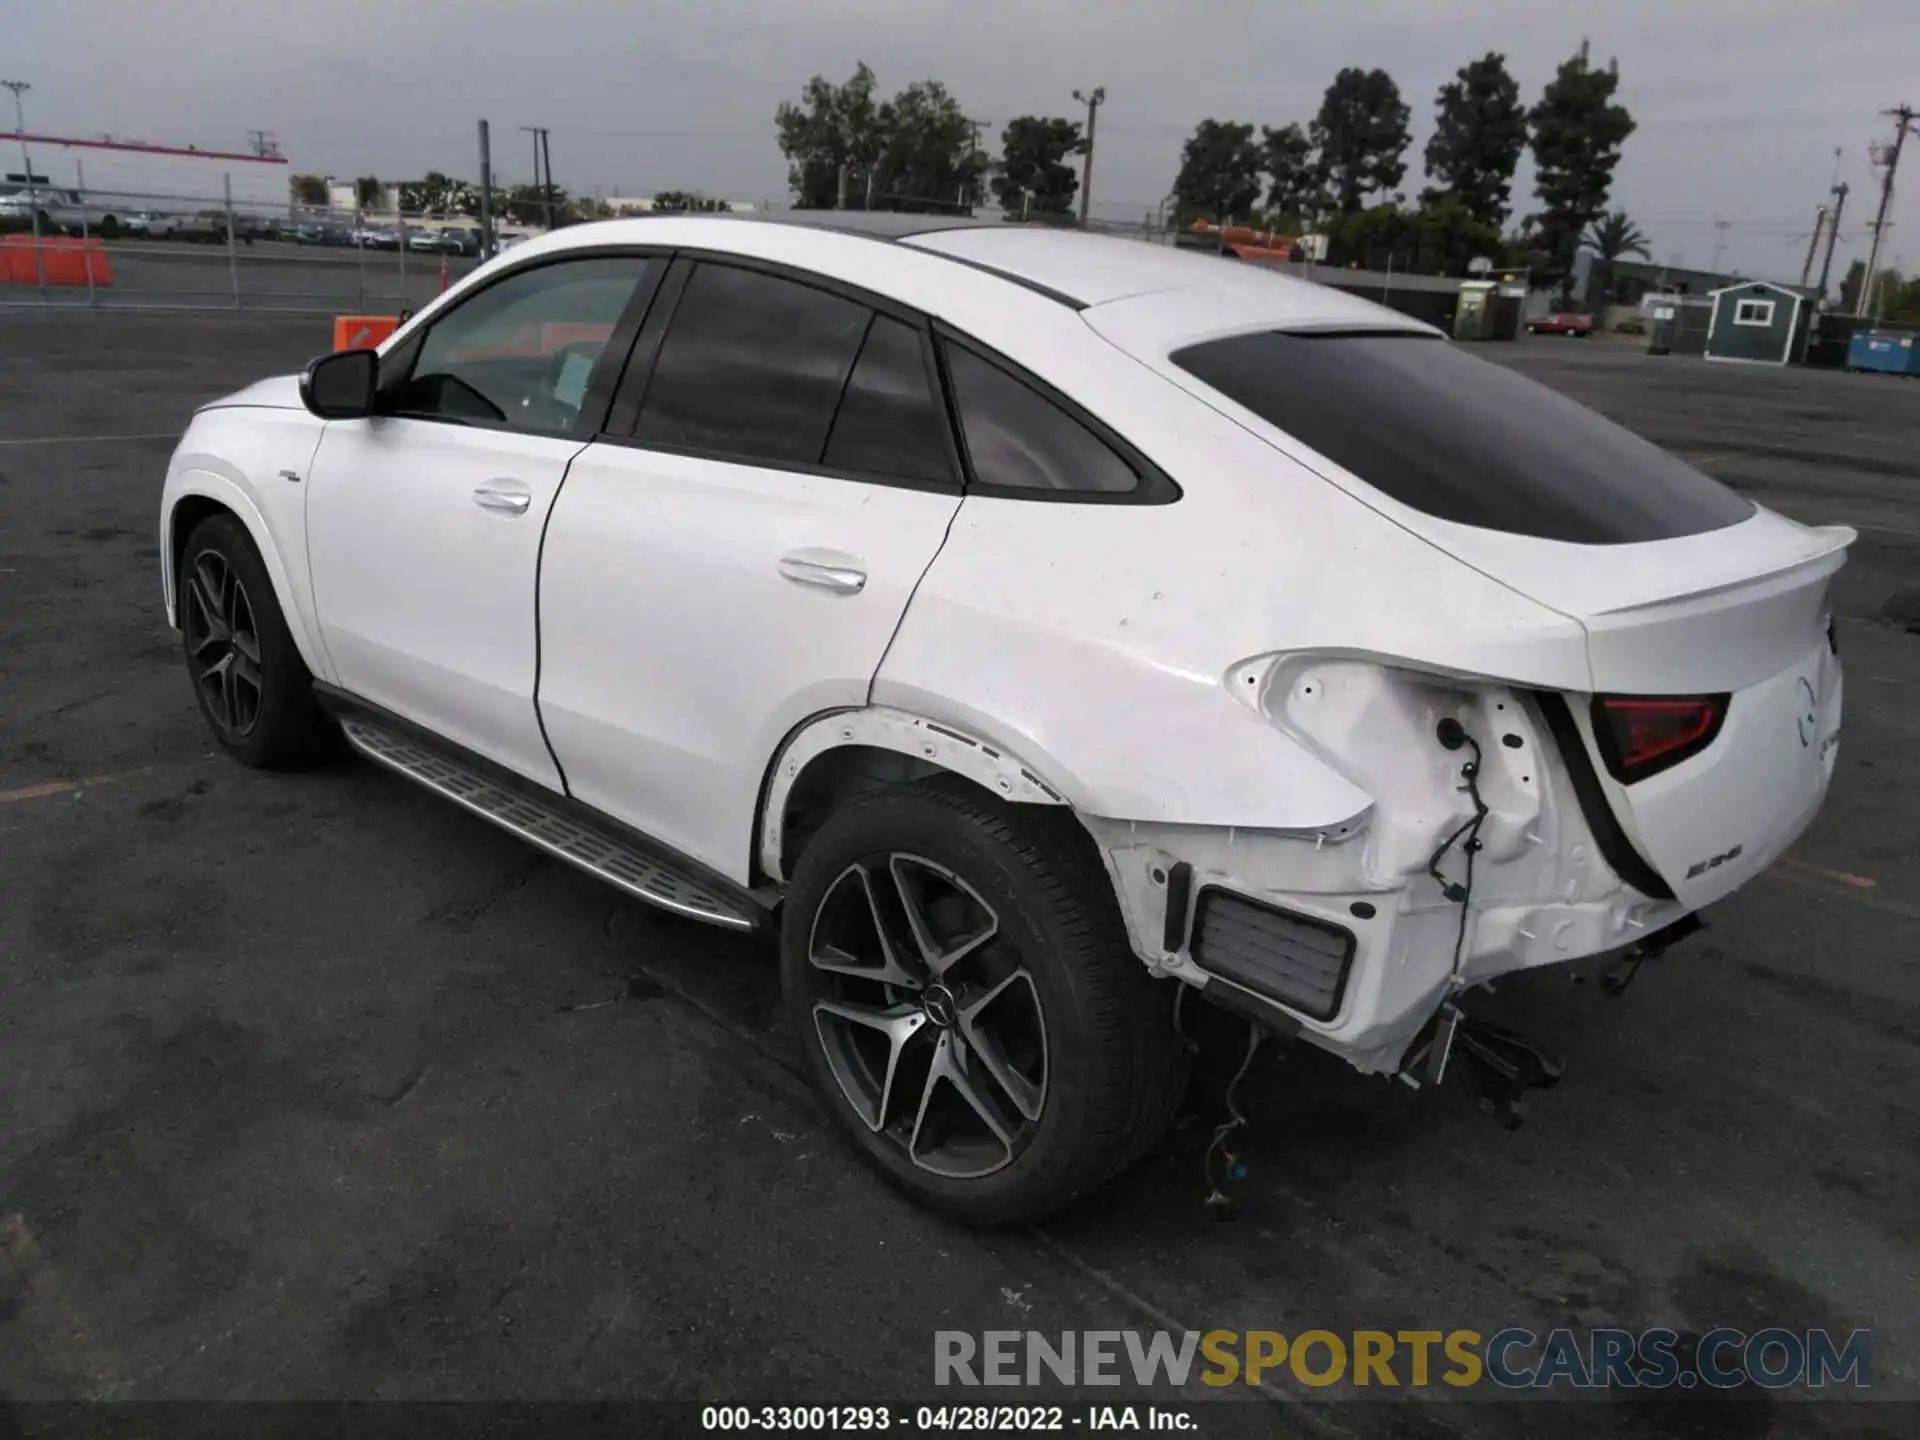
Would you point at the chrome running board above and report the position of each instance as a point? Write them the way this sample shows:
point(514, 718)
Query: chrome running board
point(641, 875)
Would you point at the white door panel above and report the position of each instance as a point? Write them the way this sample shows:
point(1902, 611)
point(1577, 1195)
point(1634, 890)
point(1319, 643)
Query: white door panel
point(424, 539)
point(694, 611)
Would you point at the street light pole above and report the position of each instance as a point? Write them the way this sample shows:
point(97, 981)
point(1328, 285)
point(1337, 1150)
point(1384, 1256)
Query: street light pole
point(20, 88)
point(1093, 102)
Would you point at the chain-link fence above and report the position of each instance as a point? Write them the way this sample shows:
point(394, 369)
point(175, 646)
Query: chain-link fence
point(63, 248)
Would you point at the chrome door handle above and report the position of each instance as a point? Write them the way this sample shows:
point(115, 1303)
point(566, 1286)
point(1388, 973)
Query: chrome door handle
point(824, 569)
point(509, 497)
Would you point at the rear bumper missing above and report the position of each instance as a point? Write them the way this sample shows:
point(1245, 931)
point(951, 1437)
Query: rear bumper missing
point(1344, 937)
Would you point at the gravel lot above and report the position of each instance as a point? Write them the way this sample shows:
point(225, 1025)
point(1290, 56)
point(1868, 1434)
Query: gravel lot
point(317, 1087)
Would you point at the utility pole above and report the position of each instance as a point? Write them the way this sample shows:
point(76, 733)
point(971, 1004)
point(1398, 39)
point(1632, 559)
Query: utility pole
point(545, 187)
point(1720, 228)
point(973, 188)
point(1813, 245)
point(1903, 122)
point(1833, 234)
point(1093, 102)
point(486, 193)
point(546, 153)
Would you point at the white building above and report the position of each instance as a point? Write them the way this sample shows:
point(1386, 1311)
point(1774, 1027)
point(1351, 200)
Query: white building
point(146, 177)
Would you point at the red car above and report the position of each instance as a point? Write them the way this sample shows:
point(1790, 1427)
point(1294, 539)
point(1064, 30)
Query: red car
point(1561, 323)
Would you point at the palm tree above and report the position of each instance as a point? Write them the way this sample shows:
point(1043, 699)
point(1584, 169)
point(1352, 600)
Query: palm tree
point(1610, 237)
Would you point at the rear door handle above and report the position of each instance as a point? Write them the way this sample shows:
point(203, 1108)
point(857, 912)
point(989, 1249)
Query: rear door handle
point(508, 497)
point(824, 570)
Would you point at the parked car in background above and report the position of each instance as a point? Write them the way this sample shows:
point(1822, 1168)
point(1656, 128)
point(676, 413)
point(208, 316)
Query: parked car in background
point(437, 240)
point(1561, 322)
point(66, 212)
point(964, 693)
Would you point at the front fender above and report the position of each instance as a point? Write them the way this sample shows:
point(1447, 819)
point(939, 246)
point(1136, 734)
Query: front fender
point(273, 511)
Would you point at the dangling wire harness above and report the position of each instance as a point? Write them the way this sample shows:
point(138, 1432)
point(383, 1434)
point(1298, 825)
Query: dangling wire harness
point(1452, 735)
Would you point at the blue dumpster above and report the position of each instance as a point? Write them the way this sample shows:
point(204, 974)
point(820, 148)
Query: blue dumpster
point(1892, 352)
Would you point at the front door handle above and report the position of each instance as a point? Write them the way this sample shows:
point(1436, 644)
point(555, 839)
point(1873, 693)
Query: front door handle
point(508, 497)
point(825, 570)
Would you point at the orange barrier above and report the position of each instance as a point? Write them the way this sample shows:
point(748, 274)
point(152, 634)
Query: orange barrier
point(63, 260)
point(362, 332)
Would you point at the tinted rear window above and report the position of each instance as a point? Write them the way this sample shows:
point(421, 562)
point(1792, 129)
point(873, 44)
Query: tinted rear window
point(1464, 440)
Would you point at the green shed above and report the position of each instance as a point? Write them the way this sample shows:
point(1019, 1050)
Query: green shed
point(1760, 323)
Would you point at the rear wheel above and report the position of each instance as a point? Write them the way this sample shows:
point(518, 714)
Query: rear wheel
point(252, 686)
point(961, 982)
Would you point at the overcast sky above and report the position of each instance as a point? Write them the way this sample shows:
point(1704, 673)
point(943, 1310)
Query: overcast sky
point(1741, 104)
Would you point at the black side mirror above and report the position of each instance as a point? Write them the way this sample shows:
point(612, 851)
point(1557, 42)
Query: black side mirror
point(341, 386)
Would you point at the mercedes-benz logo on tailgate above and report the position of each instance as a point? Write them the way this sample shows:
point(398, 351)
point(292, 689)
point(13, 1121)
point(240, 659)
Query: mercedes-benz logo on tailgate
point(1808, 720)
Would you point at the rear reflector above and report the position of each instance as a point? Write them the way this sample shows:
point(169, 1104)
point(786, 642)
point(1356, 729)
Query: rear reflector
point(1641, 735)
point(1297, 960)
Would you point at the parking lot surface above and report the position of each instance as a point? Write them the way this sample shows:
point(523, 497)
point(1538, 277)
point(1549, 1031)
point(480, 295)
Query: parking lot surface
point(314, 1086)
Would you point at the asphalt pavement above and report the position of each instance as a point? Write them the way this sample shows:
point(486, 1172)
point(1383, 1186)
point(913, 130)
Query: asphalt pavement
point(315, 1086)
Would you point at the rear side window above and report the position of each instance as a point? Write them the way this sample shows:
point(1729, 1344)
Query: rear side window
point(1461, 439)
point(889, 422)
point(752, 366)
point(1018, 439)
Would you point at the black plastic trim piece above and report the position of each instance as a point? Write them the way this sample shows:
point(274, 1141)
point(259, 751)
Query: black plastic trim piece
point(636, 370)
point(1615, 847)
point(338, 702)
point(1059, 297)
point(1608, 745)
point(1246, 980)
point(1179, 896)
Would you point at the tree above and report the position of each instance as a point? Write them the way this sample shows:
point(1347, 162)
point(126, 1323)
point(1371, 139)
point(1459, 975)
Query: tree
point(1480, 132)
point(1219, 172)
point(1610, 237)
point(437, 194)
point(308, 190)
point(527, 204)
point(368, 192)
point(1577, 134)
point(1033, 173)
point(927, 160)
point(1293, 185)
point(1894, 297)
point(677, 201)
point(1361, 136)
point(834, 127)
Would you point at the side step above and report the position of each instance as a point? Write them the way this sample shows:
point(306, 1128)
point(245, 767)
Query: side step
point(644, 876)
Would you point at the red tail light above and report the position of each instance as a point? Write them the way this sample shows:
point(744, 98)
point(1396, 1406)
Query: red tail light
point(1641, 735)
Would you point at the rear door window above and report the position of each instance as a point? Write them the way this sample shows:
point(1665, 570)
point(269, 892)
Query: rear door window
point(752, 368)
point(1461, 439)
point(889, 422)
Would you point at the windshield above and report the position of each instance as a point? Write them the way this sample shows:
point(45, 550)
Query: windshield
point(1461, 439)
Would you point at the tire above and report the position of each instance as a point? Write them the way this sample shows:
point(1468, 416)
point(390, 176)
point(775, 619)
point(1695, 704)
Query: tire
point(109, 227)
point(260, 706)
point(1083, 1035)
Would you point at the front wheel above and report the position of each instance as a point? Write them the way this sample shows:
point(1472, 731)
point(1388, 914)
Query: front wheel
point(959, 978)
point(253, 688)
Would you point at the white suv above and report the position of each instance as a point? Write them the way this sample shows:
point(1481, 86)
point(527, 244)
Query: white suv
point(1037, 625)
